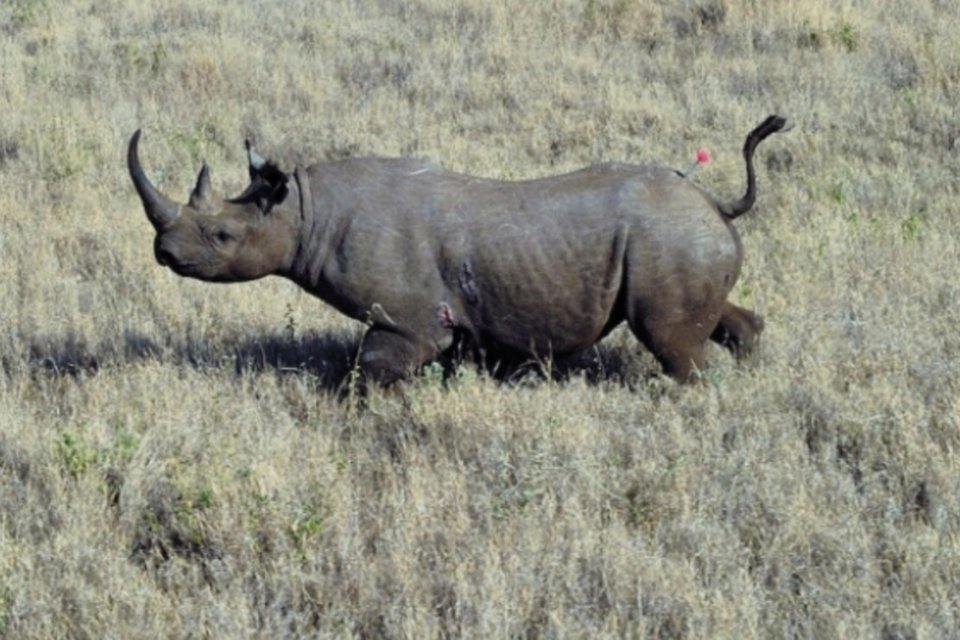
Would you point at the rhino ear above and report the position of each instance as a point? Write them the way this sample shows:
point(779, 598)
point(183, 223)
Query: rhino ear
point(202, 192)
point(274, 193)
point(268, 183)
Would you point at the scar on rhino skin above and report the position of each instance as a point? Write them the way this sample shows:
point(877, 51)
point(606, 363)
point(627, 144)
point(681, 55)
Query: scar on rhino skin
point(446, 316)
point(469, 284)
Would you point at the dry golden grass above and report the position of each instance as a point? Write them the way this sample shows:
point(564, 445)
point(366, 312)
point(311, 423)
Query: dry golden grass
point(174, 461)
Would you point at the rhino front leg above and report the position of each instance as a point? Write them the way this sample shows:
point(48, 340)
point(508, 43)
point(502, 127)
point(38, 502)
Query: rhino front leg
point(387, 356)
point(737, 330)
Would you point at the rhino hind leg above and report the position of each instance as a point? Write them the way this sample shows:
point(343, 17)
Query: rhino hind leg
point(681, 355)
point(679, 347)
point(738, 330)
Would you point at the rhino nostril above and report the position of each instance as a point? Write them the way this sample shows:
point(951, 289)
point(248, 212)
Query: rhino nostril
point(165, 257)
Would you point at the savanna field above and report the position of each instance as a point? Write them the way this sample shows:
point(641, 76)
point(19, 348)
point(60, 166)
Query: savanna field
point(183, 459)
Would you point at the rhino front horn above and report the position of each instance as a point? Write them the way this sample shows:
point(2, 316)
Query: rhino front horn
point(160, 210)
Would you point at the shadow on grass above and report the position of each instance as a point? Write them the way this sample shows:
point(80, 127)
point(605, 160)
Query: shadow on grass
point(328, 357)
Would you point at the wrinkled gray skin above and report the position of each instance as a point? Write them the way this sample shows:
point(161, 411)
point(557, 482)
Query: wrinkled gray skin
point(542, 267)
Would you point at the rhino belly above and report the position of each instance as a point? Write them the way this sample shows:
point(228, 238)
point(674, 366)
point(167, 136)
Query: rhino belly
point(553, 295)
point(554, 321)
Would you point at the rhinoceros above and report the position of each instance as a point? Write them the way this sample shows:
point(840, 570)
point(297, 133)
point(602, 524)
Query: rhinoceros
point(426, 256)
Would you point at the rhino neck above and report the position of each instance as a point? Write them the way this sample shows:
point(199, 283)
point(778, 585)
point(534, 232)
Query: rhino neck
point(311, 252)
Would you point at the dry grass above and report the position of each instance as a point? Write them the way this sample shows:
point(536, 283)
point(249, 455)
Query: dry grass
point(174, 461)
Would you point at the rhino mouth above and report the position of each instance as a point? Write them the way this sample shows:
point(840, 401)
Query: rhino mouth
point(167, 258)
point(181, 268)
point(195, 270)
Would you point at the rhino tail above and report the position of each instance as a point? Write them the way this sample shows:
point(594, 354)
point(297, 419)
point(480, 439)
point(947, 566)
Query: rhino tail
point(771, 125)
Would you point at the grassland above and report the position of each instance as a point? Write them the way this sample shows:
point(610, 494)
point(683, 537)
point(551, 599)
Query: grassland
point(174, 458)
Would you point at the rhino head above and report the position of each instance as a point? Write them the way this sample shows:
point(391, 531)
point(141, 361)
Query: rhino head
point(222, 239)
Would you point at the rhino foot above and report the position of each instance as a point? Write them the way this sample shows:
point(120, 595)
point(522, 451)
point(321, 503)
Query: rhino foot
point(738, 330)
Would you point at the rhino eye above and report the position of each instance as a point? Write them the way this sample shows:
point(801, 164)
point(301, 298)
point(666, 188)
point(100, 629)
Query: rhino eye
point(222, 236)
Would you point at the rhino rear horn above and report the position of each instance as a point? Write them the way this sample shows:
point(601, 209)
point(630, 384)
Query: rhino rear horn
point(161, 211)
point(202, 191)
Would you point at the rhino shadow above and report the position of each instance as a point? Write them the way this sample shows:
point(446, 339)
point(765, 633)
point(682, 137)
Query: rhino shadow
point(330, 358)
point(599, 365)
point(72, 355)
